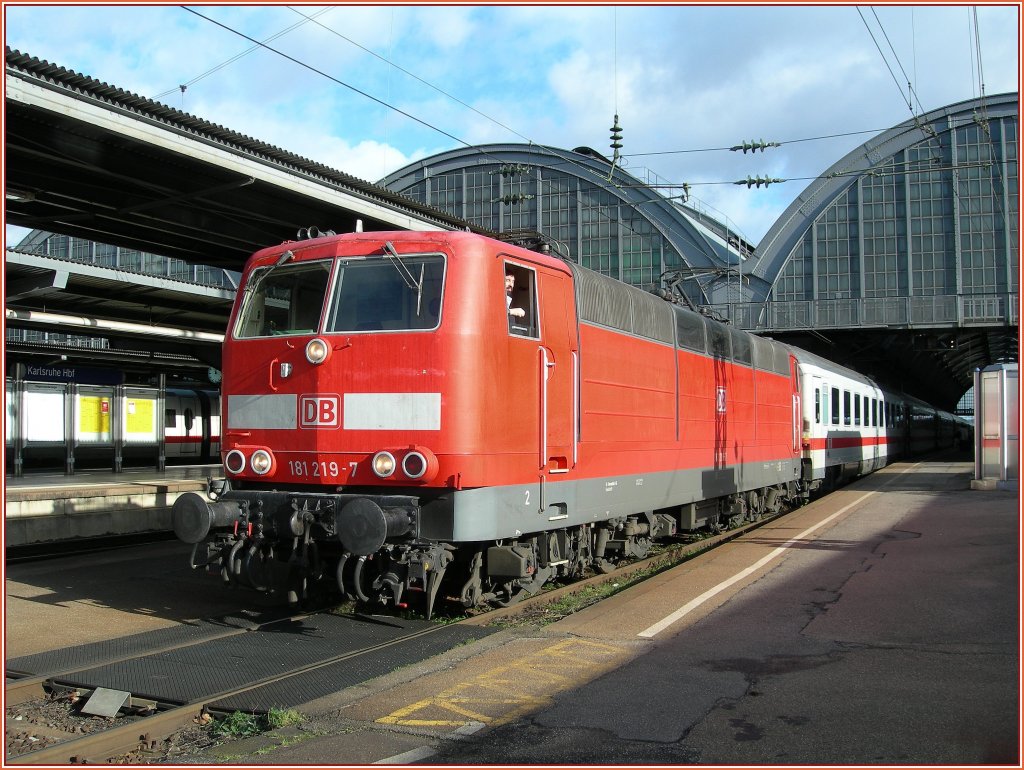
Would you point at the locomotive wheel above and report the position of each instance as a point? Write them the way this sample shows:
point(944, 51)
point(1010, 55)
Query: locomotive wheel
point(515, 595)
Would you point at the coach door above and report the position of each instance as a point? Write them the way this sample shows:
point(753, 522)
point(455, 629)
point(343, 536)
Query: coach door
point(557, 371)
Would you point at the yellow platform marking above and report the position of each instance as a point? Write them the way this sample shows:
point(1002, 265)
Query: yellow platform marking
point(504, 693)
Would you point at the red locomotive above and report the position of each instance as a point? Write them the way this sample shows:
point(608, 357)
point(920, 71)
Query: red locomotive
point(420, 414)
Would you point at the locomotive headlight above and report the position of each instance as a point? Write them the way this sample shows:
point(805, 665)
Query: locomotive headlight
point(234, 461)
point(317, 351)
point(383, 464)
point(261, 462)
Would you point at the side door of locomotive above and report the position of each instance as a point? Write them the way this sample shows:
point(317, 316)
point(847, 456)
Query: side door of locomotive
point(545, 298)
point(558, 370)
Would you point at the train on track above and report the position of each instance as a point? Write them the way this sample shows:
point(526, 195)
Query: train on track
point(191, 425)
point(48, 422)
point(410, 417)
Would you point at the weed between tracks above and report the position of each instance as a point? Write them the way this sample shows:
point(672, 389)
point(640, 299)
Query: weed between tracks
point(544, 613)
point(240, 725)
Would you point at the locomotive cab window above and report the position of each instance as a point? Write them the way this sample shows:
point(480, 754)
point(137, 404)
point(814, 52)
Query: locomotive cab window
point(402, 293)
point(521, 300)
point(285, 298)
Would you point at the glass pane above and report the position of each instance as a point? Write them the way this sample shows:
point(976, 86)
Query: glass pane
point(381, 295)
point(284, 299)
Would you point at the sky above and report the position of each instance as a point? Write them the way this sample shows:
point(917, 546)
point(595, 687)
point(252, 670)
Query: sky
point(368, 89)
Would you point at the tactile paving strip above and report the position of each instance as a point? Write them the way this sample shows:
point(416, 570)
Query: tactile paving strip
point(202, 670)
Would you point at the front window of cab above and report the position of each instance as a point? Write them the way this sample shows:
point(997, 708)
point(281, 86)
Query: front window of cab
point(382, 294)
point(284, 299)
point(366, 294)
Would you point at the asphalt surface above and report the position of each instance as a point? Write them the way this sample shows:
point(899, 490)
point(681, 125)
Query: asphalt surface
point(892, 638)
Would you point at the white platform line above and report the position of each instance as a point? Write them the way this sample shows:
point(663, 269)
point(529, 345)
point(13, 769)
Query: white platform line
point(410, 756)
point(686, 609)
point(415, 755)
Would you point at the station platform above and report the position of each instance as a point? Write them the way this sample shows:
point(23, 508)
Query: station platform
point(878, 625)
point(53, 507)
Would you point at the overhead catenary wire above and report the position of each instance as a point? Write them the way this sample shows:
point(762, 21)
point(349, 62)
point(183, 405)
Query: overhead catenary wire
point(729, 148)
point(413, 75)
point(977, 53)
point(567, 160)
point(885, 60)
point(384, 103)
point(590, 173)
point(910, 87)
point(333, 79)
point(236, 57)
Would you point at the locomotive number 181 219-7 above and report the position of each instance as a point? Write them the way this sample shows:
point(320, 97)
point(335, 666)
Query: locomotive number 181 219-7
point(313, 469)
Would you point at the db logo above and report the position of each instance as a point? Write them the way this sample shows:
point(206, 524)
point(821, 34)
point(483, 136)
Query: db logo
point(319, 411)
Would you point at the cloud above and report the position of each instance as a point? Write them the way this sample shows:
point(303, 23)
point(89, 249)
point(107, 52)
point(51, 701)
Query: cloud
point(684, 79)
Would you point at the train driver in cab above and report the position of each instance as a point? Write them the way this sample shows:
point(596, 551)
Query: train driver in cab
point(510, 285)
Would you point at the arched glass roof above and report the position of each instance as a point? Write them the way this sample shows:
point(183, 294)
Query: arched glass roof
point(929, 207)
point(598, 214)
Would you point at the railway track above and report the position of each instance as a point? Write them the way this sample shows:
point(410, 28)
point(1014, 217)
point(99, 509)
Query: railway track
point(142, 730)
point(143, 725)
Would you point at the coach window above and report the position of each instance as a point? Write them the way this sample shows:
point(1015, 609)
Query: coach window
point(835, 406)
point(521, 300)
point(846, 407)
point(856, 409)
point(817, 406)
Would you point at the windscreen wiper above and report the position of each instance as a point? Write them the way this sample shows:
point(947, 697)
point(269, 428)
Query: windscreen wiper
point(403, 270)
